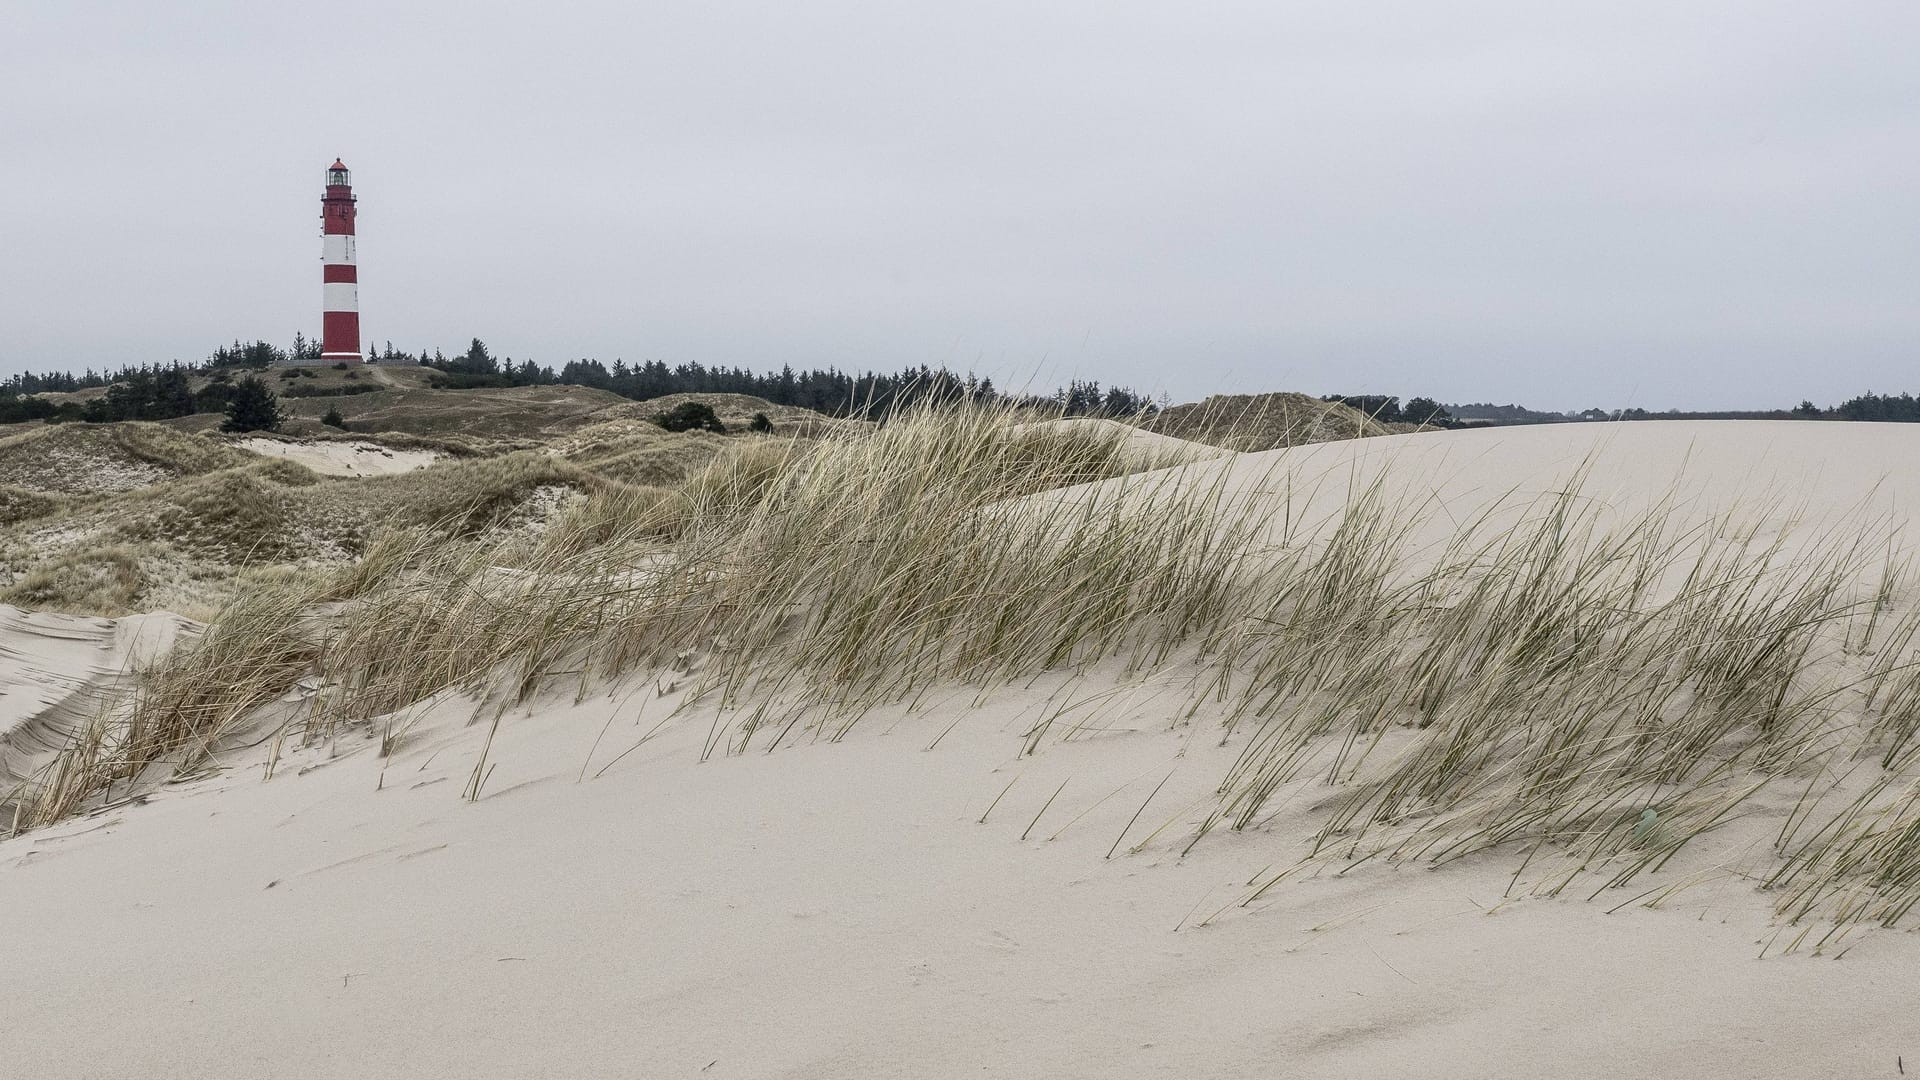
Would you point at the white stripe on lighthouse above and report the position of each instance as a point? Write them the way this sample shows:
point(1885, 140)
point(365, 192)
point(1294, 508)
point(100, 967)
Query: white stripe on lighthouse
point(337, 249)
point(341, 296)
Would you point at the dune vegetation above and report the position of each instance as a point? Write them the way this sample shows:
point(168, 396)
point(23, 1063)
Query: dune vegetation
point(1254, 422)
point(1584, 692)
point(84, 459)
point(116, 518)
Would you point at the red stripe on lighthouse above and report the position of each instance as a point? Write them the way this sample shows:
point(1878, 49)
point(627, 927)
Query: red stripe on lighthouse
point(340, 334)
point(341, 272)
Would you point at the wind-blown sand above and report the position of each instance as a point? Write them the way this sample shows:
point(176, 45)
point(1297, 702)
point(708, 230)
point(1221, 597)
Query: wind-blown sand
point(836, 910)
point(56, 673)
point(343, 458)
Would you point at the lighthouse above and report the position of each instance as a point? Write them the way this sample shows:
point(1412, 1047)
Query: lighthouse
point(340, 321)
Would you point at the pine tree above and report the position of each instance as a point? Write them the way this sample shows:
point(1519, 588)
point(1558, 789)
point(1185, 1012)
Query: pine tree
point(252, 407)
point(477, 361)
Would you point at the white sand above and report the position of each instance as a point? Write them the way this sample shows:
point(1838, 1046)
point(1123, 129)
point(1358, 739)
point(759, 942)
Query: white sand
point(1785, 469)
point(58, 671)
point(838, 911)
point(1796, 478)
point(343, 458)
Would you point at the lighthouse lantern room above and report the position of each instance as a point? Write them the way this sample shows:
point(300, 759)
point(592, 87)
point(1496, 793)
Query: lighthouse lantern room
point(340, 327)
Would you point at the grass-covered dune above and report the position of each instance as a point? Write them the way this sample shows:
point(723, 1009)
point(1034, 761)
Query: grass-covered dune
point(1254, 422)
point(114, 518)
point(92, 459)
point(183, 543)
point(967, 740)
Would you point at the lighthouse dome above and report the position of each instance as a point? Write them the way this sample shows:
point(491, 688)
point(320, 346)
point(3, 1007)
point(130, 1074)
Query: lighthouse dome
point(337, 174)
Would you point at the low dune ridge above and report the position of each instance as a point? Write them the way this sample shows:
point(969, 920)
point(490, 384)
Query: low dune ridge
point(938, 749)
point(517, 412)
point(108, 519)
point(736, 411)
point(99, 459)
point(1254, 422)
point(1794, 479)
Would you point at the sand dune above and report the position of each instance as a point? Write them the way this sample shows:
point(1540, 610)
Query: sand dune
point(918, 899)
point(1798, 482)
point(837, 910)
point(1785, 469)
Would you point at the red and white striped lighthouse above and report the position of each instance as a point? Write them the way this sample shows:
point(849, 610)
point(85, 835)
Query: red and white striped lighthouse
point(340, 327)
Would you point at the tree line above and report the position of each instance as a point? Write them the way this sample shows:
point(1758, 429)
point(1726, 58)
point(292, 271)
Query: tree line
point(134, 393)
point(157, 393)
point(1386, 408)
point(1869, 406)
point(832, 391)
point(163, 392)
point(1883, 408)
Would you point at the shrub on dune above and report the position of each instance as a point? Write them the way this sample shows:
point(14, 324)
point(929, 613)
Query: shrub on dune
point(690, 416)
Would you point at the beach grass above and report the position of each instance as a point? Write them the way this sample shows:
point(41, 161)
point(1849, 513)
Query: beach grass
point(1586, 690)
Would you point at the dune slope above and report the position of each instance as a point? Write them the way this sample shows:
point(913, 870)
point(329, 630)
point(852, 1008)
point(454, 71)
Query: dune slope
point(919, 899)
point(838, 910)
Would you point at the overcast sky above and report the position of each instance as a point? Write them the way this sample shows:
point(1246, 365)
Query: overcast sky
point(1562, 204)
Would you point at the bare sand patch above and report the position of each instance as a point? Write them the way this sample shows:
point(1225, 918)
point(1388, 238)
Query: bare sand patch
point(343, 458)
